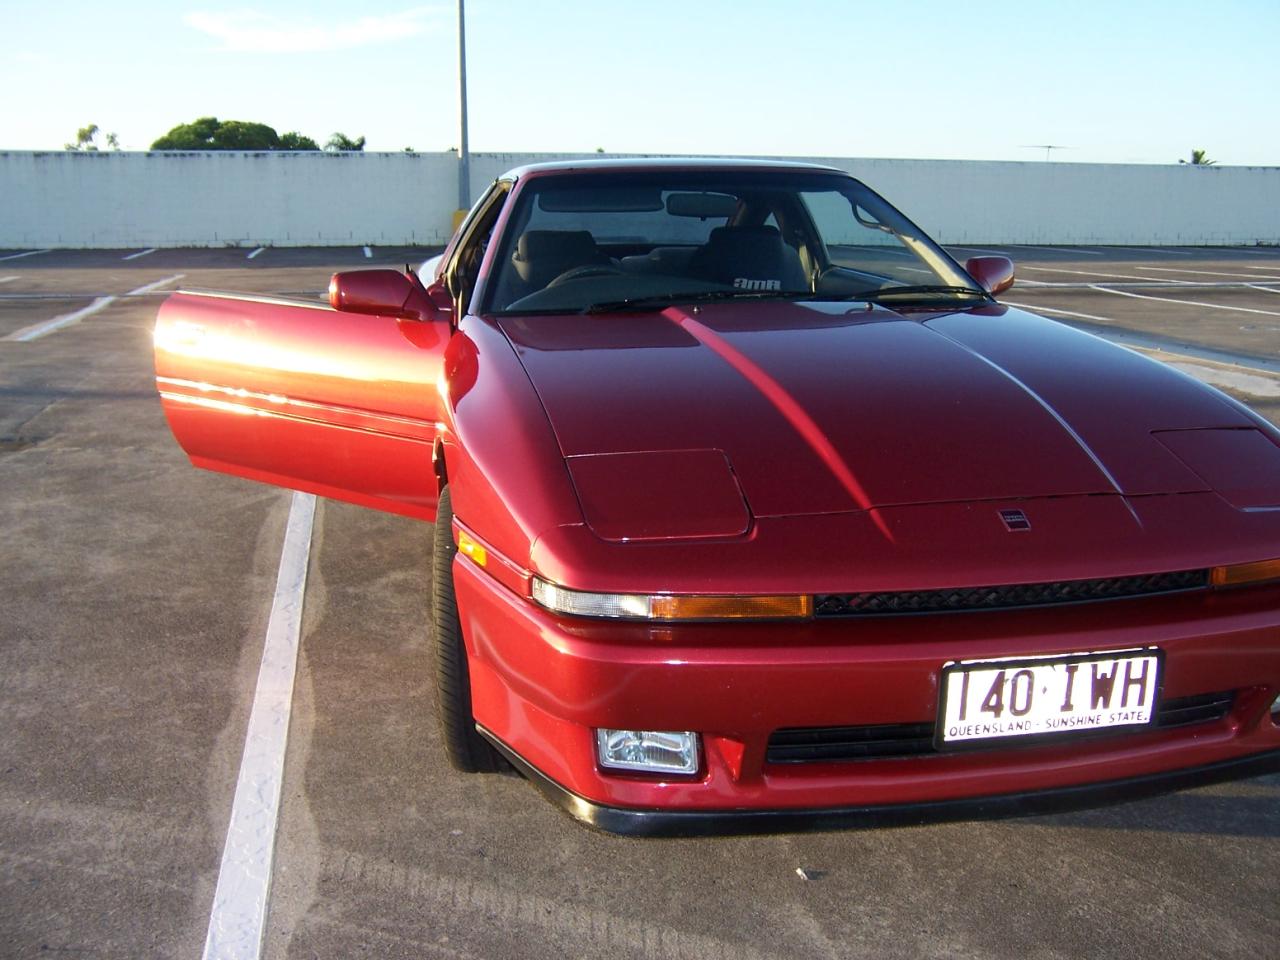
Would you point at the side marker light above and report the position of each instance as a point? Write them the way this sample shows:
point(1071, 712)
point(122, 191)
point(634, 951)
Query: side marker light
point(1241, 573)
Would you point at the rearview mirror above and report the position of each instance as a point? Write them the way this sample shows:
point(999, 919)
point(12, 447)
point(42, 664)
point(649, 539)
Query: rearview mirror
point(704, 206)
point(386, 293)
point(994, 274)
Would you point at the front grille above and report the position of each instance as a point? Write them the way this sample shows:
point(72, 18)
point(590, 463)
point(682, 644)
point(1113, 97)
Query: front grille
point(1185, 711)
point(895, 740)
point(1004, 597)
point(816, 744)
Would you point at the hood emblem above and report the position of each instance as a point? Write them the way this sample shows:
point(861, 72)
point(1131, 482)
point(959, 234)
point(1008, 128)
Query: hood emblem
point(1015, 520)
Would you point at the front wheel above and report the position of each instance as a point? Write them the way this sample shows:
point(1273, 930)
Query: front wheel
point(467, 750)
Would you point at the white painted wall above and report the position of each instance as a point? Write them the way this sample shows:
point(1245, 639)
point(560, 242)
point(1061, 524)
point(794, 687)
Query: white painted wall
point(219, 198)
point(1081, 203)
point(106, 200)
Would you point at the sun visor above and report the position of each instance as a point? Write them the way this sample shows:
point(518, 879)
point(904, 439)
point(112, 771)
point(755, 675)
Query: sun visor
point(659, 495)
point(600, 199)
point(1243, 466)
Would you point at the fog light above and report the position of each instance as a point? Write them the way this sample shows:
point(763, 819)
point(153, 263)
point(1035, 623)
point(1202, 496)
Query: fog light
point(648, 751)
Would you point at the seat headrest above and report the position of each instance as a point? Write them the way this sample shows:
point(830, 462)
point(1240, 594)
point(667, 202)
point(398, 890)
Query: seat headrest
point(751, 253)
point(542, 255)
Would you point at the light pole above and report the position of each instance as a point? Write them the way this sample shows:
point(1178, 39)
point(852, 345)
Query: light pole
point(464, 155)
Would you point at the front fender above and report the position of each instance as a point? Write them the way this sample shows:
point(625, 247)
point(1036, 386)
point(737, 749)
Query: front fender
point(508, 478)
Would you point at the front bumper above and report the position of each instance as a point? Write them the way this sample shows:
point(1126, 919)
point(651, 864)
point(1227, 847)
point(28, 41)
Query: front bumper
point(693, 823)
point(542, 683)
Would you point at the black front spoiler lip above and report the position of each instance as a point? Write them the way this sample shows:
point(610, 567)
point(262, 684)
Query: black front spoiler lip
point(695, 823)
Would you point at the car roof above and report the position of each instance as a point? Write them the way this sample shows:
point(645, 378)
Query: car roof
point(641, 164)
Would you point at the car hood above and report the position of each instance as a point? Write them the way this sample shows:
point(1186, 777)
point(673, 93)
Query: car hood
point(825, 408)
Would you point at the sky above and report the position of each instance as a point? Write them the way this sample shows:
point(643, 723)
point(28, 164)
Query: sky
point(1121, 82)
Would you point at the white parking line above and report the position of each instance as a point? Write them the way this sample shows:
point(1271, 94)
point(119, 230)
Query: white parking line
point(1164, 250)
point(1035, 246)
point(255, 253)
point(1144, 284)
point(8, 279)
point(1097, 273)
point(45, 327)
point(238, 918)
point(1037, 308)
point(1250, 267)
point(1114, 330)
point(1258, 286)
point(1211, 273)
point(19, 256)
point(981, 250)
point(368, 253)
point(155, 285)
point(140, 253)
point(1250, 383)
point(38, 330)
point(1189, 303)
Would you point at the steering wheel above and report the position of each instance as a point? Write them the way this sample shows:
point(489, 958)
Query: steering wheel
point(584, 271)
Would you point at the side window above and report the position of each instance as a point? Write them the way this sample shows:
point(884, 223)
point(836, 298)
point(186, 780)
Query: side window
point(462, 271)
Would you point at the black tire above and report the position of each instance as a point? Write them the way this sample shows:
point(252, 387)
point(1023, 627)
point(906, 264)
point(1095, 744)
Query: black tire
point(467, 750)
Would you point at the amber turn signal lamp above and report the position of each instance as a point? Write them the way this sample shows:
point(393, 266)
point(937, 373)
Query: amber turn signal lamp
point(730, 608)
point(468, 547)
point(1241, 573)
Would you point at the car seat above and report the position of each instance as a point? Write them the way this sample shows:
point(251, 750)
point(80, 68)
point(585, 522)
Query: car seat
point(753, 254)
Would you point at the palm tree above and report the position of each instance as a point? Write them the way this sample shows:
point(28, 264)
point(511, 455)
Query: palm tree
point(341, 142)
point(1199, 159)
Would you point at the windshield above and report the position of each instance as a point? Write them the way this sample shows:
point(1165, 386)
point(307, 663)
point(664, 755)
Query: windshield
point(600, 242)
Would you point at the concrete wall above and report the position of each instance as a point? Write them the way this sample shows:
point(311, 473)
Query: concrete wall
point(68, 199)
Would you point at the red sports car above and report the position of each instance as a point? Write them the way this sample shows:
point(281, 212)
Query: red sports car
point(754, 508)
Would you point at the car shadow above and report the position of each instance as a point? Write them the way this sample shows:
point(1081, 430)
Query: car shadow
point(1249, 808)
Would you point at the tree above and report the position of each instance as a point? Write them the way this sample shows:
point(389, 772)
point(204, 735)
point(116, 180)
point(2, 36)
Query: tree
point(340, 142)
point(293, 140)
point(210, 133)
point(1199, 159)
point(86, 136)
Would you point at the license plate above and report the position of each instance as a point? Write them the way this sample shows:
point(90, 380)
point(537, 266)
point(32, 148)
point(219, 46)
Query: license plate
point(1047, 696)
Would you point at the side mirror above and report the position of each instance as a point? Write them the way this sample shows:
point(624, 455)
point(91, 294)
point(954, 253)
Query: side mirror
point(386, 293)
point(994, 274)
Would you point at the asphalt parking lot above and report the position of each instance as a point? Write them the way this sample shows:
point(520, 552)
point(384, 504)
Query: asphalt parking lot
point(136, 598)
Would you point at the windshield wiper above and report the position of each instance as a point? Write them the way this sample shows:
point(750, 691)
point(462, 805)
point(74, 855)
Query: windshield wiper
point(669, 299)
point(923, 291)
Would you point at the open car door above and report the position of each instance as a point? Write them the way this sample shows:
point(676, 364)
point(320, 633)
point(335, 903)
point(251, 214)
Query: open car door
point(343, 403)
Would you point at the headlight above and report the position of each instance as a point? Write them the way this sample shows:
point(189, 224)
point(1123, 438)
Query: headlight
point(641, 606)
